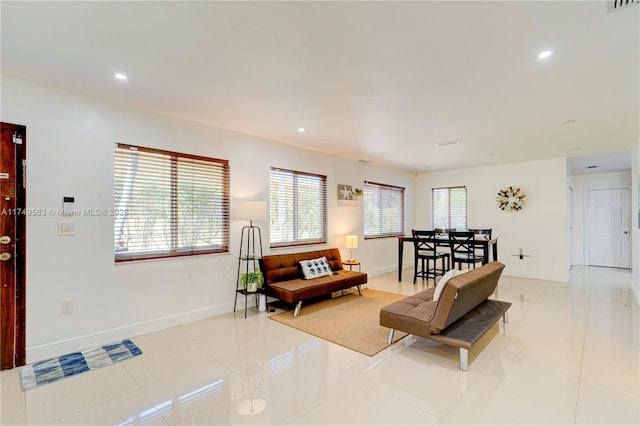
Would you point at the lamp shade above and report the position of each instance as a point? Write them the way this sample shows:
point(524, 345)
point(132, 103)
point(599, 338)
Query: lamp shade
point(351, 241)
point(251, 210)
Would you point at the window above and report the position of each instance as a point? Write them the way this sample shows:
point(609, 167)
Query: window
point(169, 204)
point(297, 208)
point(449, 207)
point(383, 210)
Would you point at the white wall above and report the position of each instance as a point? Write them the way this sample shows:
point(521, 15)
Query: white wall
point(582, 183)
point(70, 143)
point(635, 215)
point(540, 229)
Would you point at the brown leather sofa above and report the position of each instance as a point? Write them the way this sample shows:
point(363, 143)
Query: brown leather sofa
point(284, 280)
point(459, 318)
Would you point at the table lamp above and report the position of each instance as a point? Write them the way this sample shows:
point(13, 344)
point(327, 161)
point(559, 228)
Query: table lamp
point(351, 242)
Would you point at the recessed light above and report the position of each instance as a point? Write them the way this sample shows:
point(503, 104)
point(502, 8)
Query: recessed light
point(576, 149)
point(545, 54)
point(445, 143)
point(120, 76)
point(568, 121)
point(300, 129)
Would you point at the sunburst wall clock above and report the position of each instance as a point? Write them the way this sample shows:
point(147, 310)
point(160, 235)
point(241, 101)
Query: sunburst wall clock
point(511, 199)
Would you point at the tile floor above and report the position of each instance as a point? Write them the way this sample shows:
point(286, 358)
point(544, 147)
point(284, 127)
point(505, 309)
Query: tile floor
point(569, 355)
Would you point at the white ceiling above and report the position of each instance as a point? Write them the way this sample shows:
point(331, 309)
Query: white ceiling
point(375, 81)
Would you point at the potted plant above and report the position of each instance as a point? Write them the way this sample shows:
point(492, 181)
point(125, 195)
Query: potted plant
point(252, 281)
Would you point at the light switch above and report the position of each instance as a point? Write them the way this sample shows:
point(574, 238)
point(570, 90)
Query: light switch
point(68, 206)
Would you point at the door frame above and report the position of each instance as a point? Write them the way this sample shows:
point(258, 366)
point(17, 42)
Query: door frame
point(18, 322)
point(585, 222)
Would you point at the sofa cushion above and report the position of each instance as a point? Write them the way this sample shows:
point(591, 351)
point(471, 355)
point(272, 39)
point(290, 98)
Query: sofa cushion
point(412, 315)
point(297, 289)
point(315, 268)
point(444, 280)
point(284, 267)
point(464, 292)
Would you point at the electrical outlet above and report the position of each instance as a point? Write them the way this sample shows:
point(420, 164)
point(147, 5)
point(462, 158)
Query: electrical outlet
point(67, 306)
point(66, 228)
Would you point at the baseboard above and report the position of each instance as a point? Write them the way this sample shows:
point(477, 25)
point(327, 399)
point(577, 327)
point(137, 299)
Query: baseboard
point(514, 273)
point(386, 269)
point(62, 347)
point(537, 275)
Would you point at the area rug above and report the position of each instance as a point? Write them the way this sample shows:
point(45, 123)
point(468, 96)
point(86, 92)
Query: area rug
point(51, 370)
point(351, 321)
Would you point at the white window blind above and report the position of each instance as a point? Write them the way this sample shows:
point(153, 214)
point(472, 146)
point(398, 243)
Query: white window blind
point(449, 208)
point(383, 210)
point(297, 208)
point(169, 204)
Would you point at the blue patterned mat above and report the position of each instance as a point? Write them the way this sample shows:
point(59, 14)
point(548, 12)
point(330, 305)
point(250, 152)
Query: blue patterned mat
point(40, 373)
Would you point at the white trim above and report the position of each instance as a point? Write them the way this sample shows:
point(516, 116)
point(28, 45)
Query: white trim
point(387, 269)
point(62, 347)
point(564, 277)
point(537, 276)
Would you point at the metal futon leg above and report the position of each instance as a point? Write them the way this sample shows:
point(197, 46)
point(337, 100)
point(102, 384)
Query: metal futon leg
point(464, 359)
point(297, 310)
point(390, 338)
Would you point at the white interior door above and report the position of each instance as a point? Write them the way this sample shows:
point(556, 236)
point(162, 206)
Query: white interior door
point(608, 227)
point(571, 233)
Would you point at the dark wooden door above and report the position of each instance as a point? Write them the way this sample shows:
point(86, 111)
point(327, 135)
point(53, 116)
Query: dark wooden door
point(12, 245)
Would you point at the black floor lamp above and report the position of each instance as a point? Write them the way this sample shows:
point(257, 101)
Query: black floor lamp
point(250, 242)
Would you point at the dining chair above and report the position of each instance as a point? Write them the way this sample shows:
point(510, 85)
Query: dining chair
point(484, 231)
point(481, 231)
point(443, 241)
point(444, 230)
point(462, 249)
point(425, 250)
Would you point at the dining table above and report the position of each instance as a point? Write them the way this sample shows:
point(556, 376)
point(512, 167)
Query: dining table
point(478, 241)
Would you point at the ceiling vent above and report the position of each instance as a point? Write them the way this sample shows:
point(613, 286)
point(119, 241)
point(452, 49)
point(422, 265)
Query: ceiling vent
point(620, 4)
